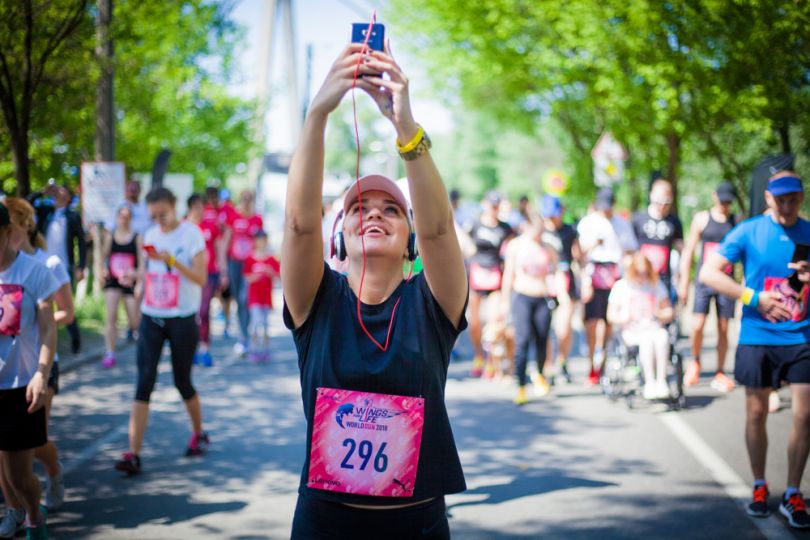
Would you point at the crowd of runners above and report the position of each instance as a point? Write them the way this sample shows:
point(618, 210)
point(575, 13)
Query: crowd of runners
point(397, 263)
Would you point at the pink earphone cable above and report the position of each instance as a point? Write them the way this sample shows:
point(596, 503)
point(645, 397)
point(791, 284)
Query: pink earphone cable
point(360, 201)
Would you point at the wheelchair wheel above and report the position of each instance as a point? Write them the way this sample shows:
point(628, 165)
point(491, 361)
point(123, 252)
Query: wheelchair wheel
point(677, 388)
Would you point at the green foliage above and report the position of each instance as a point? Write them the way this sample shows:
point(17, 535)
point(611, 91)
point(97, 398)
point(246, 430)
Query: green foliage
point(172, 63)
point(686, 85)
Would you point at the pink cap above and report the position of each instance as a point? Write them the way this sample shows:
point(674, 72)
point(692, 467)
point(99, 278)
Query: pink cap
point(376, 182)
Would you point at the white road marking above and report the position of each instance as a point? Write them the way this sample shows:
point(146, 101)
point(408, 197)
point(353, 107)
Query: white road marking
point(734, 486)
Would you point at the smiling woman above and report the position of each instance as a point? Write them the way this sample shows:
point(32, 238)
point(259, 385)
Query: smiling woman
point(373, 348)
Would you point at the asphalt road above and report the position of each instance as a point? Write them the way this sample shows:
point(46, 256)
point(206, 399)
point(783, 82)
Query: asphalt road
point(570, 465)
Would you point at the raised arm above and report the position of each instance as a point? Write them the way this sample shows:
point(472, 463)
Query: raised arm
point(433, 216)
point(302, 246)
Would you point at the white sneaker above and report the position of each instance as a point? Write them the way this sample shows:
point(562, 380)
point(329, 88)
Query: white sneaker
point(13, 521)
point(774, 402)
point(55, 490)
point(650, 391)
point(662, 390)
point(239, 348)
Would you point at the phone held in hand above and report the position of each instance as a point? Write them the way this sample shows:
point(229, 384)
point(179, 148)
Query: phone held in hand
point(800, 253)
point(150, 249)
point(375, 42)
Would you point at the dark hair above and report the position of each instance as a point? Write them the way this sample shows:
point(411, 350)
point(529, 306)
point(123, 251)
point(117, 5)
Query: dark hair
point(211, 193)
point(193, 199)
point(260, 234)
point(159, 194)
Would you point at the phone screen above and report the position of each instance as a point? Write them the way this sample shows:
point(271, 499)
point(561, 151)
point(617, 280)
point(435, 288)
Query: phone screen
point(801, 252)
point(377, 38)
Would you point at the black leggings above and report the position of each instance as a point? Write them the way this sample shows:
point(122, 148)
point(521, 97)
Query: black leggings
point(317, 519)
point(183, 335)
point(531, 317)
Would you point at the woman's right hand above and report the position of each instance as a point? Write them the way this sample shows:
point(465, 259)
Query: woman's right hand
point(340, 79)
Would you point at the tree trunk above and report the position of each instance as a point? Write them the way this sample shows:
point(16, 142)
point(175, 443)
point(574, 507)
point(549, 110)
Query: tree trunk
point(19, 154)
point(784, 135)
point(105, 111)
point(673, 164)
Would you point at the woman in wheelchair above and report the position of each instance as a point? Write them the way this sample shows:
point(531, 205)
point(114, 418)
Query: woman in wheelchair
point(639, 307)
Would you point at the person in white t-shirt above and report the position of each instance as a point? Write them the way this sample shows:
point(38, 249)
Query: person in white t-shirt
point(27, 239)
point(27, 346)
point(173, 277)
point(604, 239)
point(639, 306)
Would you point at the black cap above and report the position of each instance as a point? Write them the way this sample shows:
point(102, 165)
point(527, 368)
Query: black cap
point(604, 199)
point(4, 219)
point(726, 192)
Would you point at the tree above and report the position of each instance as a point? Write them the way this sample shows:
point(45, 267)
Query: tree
point(35, 38)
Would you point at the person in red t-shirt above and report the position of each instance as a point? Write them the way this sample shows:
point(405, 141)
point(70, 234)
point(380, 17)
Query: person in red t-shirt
point(259, 269)
point(212, 230)
point(218, 209)
point(244, 223)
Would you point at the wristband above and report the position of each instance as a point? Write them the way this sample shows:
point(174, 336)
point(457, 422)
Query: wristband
point(413, 142)
point(750, 297)
point(420, 149)
point(172, 260)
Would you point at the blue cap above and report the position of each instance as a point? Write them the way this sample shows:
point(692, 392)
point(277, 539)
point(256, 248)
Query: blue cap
point(551, 207)
point(784, 185)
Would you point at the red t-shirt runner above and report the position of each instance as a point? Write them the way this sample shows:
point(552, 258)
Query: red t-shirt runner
point(260, 292)
point(243, 229)
point(211, 233)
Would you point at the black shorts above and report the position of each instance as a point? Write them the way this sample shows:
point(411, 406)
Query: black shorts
point(703, 298)
point(766, 366)
point(597, 307)
point(316, 519)
point(113, 284)
point(20, 430)
point(53, 380)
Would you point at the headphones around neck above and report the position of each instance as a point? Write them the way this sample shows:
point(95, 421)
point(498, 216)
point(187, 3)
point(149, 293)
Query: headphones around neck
point(337, 246)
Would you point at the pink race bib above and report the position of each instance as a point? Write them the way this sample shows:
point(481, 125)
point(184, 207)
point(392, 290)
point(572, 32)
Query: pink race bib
point(657, 255)
point(121, 264)
point(604, 276)
point(485, 279)
point(796, 302)
point(162, 291)
point(242, 247)
point(11, 297)
point(365, 443)
point(711, 247)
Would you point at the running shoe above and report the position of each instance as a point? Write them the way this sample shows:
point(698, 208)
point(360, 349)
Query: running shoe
point(198, 445)
point(692, 375)
point(541, 387)
point(255, 357)
point(520, 398)
point(207, 360)
point(108, 361)
point(55, 490)
point(593, 378)
point(564, 372)
point(478, 367)
point(795, 510)
point(129, 463)
point(239, 348)
point(489, 372)
point(12, 522)
point(40, 530)
point(774, 402)
point(650, 391)
point(759, 503)
point(723, 383)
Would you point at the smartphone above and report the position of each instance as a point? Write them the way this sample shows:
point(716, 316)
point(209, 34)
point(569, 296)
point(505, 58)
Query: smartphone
point(150, 249)
point(375, 42)
point(800, 253)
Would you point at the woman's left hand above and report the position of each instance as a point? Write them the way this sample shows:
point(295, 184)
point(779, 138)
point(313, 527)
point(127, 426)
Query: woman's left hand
point(391, 95)
point(36, 392)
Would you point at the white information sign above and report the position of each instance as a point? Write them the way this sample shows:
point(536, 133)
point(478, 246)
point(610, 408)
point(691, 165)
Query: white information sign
point(102, 190)
point(608, 160)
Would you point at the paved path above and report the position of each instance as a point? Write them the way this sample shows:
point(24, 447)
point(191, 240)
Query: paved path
point(572, 465)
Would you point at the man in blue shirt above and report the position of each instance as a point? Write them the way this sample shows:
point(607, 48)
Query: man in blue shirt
point(773, 345)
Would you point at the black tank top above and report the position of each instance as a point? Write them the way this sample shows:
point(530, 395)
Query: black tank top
point(712, 235)
point(130, 247)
